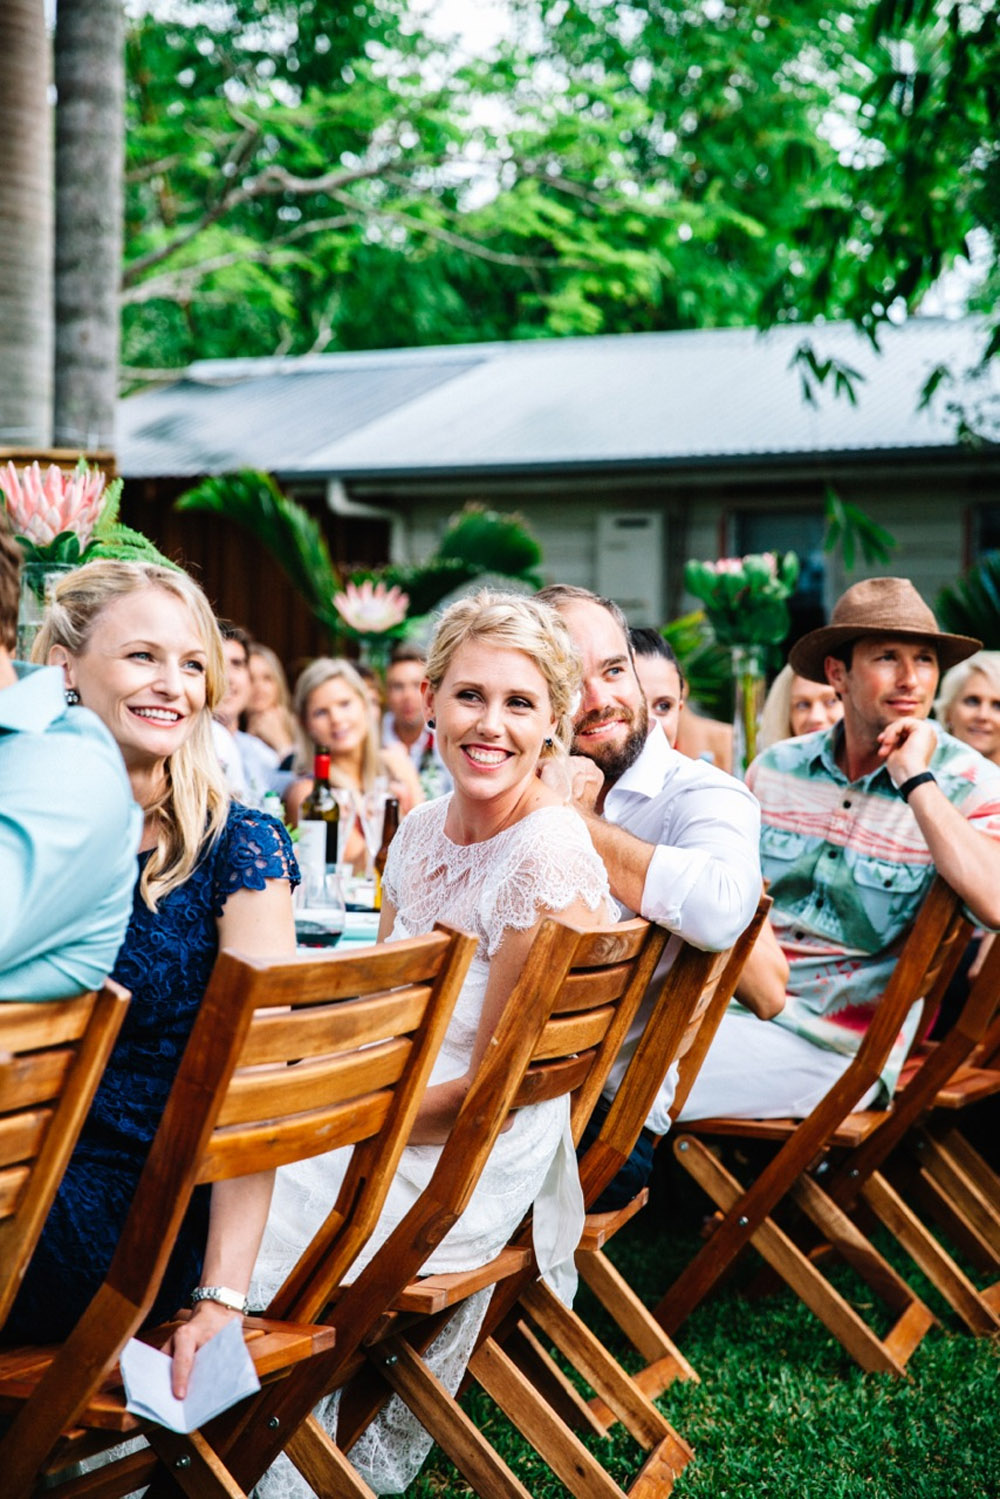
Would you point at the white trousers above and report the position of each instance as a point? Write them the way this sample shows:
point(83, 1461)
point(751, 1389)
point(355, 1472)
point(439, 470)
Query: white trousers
point(756, 1069)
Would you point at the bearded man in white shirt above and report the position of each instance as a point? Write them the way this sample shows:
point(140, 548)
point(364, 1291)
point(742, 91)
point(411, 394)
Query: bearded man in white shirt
point(680, 839)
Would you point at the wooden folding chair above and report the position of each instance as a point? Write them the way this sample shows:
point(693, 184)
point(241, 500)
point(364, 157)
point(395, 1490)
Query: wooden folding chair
point(52, 1058)
point(935, 939)
point(287, 1059)
point(693, 994)
point(911, 1154)
point(560, 1031)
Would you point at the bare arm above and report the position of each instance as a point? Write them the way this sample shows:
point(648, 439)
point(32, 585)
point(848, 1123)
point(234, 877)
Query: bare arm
point(764, 979)
point(258, 923)
point(962, 855)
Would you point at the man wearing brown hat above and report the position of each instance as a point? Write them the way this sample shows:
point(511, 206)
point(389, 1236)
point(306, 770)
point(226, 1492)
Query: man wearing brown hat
point(855, 822)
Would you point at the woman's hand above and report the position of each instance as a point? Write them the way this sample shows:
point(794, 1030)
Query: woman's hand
point(208, 1318)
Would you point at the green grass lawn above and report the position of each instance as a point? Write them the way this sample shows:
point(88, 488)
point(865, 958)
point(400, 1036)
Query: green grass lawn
point(781, 1410)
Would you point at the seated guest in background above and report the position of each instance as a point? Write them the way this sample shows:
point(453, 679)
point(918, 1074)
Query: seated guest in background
point(495, 857)
point(856, 821)
point(268, 715)
point(403, 723)
point(660, 678)
point(796, 706)
point(140, 647)
point(69, 828)
point(250, 765)
point(968, 703)
point(702, 738)
point(373, 687)
point(334, 713)
point(678, 837)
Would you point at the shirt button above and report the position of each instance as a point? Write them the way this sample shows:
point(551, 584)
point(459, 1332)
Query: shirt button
point(832, 852)
point(847, 804)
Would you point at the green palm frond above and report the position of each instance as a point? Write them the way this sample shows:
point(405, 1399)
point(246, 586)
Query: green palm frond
point(286, 529)
point(972, 605)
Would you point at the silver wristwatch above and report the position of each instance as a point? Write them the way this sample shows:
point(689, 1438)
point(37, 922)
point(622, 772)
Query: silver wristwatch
point(234, 1300)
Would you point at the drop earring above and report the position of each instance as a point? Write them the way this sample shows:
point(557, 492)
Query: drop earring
point(72, 697)
point(432, 723)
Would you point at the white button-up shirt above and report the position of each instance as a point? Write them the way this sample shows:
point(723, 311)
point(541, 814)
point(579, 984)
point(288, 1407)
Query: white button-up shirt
point(703, 881)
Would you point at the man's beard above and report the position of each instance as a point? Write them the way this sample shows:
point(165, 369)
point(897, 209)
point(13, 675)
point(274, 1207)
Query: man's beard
point(614, 759)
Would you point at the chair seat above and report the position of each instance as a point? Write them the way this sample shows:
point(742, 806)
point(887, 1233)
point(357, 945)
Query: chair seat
point(273, 1346)
point(967, 1085)
point(598, 1228)
point(851, 1131)
point(435, 1293)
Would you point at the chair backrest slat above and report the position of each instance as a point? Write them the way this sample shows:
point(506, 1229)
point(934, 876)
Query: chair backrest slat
point(696, 988)
point(190, 1144)
point(522, 1064)
point(52, 1057)
point(262, 1095)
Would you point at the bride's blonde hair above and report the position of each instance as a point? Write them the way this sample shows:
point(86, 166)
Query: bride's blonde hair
point(194, 803)
point(513, 622)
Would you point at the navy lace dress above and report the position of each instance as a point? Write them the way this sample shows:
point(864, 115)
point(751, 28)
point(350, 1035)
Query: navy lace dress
point(165, 960)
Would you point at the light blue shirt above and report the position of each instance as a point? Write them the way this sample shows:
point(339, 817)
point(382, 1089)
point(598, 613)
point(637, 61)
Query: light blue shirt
point(69, 834)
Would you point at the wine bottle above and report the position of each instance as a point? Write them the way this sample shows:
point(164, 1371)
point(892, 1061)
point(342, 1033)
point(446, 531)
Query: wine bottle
point(321, 806)
point(389, 825)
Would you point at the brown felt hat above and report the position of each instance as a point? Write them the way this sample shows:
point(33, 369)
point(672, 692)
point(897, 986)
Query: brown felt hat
point(878, 606)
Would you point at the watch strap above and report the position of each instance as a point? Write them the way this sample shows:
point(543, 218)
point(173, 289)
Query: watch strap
point(914, 782)
point(224, 1295)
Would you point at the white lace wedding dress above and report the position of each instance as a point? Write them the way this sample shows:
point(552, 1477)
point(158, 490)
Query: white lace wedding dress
point(546, 861)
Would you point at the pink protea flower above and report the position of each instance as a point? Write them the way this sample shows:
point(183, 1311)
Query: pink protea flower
point(371, 608)
point(41, 507)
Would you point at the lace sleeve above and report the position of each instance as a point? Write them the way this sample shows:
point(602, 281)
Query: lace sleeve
point(552, 864)
point(254, 848)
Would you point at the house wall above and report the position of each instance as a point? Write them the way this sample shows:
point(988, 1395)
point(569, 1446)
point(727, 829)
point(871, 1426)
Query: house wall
point(928, 507)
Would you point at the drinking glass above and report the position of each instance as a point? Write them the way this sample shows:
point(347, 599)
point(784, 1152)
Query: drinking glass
point(320, 910)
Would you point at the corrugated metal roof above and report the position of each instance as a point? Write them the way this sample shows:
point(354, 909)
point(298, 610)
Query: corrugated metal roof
point(230, 414)
point(655, 398)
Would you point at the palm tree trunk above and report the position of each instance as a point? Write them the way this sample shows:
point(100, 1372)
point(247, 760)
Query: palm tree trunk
point(90, 137)
point(26, 325)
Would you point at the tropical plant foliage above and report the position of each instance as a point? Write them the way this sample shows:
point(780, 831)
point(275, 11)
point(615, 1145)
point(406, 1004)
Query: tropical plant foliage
point(972, 605)
point(475, 542)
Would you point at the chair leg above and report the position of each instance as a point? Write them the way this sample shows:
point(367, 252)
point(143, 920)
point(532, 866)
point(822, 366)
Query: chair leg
point(588, 1354)
point(971, 1188)
point(322, 1464)
point(558, 1392)
point(440, 1413)
point(836, 1314)
point(932, 1258)
point(193, 1464)
point(665, 1362)
point(560, 1448)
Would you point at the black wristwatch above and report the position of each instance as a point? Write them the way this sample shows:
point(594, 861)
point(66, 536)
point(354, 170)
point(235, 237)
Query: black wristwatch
point(915, 781)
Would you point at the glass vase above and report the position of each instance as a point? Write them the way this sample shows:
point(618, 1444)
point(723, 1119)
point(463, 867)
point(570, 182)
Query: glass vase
point(37, 582)
point(748, 702)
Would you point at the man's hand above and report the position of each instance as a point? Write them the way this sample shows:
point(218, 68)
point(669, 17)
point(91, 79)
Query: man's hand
point(576, 779)
point(907, 748)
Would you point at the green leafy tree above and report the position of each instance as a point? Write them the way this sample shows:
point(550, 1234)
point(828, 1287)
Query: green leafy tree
point(310, 176)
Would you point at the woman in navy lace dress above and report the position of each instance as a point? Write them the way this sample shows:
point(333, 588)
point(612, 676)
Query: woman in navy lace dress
point(140, 648)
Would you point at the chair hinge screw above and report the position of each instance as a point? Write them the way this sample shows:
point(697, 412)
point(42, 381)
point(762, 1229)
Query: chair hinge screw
point(743, 1222)
point(392, 1358)
point(853, 1171)
point(683, 1145)
point(273, 1423)
point(183, 1462)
